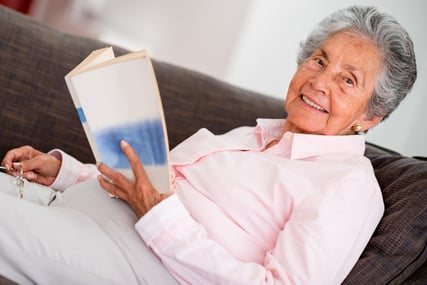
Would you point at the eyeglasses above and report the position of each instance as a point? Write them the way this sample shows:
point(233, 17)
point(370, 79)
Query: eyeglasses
point(19, 177)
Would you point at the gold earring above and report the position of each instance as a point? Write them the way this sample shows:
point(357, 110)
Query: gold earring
point(357, 127)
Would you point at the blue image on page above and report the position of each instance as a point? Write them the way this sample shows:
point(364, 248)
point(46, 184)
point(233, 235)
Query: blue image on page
point(146, 138)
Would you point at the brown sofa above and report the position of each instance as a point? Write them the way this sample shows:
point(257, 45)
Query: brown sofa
point(36, 109)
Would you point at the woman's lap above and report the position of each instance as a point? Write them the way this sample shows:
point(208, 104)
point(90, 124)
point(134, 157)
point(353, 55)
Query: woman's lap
point(83, 237)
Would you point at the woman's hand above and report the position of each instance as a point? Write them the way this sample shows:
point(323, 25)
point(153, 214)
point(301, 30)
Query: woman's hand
point(37, 166)
point(140, 195)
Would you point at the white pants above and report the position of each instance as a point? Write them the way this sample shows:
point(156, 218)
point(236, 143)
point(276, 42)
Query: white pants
point(83, 237)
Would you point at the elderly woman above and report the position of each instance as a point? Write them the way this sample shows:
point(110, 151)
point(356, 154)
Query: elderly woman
point(289, 201)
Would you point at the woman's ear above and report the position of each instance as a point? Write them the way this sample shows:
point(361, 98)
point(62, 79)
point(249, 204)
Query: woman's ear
point(369, 122)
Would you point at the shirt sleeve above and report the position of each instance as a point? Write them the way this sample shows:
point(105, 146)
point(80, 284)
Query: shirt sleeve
point(72, 171)
point(320, 243)
point(184, 247)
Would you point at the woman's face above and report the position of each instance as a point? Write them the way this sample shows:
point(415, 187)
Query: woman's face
point(330, 91)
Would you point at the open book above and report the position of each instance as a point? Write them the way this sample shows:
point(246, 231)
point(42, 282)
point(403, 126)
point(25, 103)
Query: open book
point(117, 98)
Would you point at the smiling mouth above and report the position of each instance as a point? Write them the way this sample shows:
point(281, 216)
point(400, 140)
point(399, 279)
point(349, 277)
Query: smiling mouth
point(312, 104)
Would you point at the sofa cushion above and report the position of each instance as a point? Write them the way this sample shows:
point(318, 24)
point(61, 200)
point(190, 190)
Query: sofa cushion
point(398, 246)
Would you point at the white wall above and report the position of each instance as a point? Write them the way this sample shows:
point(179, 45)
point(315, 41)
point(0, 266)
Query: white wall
point(253, 44)
point(270, 39)
point(197, 34)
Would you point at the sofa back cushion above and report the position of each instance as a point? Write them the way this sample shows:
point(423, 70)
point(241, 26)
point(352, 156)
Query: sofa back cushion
point(398, 247)
point(36, 108)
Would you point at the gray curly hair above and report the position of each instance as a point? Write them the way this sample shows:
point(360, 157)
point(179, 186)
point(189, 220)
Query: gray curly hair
point(399, 65)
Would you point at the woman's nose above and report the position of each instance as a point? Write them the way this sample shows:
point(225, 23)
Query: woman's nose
point(321, 81)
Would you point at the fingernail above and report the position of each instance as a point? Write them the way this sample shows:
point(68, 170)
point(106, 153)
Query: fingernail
point(16, 165)
point(4, 167)
point(123, 143)
point(105, 178)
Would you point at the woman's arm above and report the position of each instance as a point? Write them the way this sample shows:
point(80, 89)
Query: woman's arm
point(72, 171)
point(319, 244)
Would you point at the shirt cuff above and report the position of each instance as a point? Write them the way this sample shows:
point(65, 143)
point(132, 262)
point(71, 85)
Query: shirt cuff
point(68, 173)
point(160, 217)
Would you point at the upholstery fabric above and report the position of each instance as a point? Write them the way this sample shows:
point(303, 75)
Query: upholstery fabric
point(398, 246)
point(36, 109)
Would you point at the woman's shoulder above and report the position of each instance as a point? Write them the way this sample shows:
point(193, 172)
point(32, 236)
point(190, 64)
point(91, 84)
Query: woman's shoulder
point(204, 142)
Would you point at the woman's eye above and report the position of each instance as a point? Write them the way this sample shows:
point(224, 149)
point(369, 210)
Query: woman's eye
point(349, 81)
point(319, 61)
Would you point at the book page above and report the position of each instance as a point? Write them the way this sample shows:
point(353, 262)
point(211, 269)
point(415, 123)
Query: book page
point(94, 58)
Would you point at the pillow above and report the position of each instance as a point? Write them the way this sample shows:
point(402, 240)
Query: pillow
point(397, 249)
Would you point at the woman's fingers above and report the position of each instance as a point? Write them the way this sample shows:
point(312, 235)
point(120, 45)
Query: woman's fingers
point(113, 177)
point(134, 160)
point(139, 194)
point(36, 165)
point(112, 188)
point(16, 154)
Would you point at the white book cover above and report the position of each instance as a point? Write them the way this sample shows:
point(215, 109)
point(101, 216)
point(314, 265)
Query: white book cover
point(117, 98)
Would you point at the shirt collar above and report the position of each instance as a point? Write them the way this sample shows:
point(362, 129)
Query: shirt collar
point(308, 145)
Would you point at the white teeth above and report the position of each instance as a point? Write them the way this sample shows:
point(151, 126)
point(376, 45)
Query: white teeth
point(312, 104)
